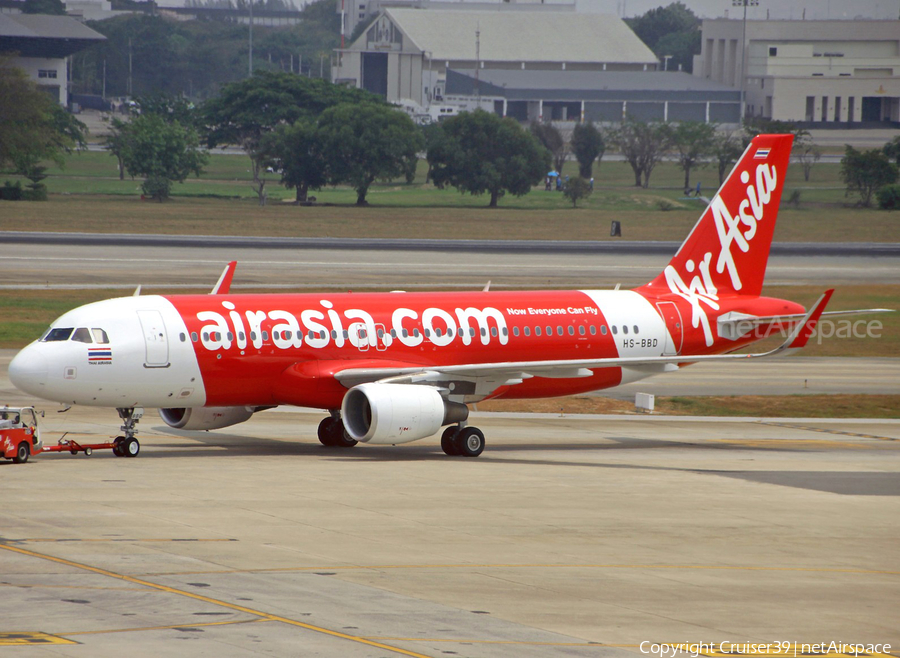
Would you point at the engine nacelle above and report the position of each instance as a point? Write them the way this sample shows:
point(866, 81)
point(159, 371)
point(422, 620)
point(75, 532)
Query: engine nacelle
point(205, 418)
point(397, 413)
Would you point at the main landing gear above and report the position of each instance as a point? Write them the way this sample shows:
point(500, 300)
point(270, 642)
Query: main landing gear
point(332, 433)
point(458, 440)
point(128, 445)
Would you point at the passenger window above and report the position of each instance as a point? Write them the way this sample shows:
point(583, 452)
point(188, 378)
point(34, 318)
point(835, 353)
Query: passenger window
point(483, 331)
point(406, 333)
point(527, 331)
point(381, 333)
point(506, 331)
point(184, 338)
point(346, 334)
point(472, 332)
point(625, 329)
point(635, 329)
point(100, 336)
point(549, 331)
point(265, 335)
point(437, 332)
point(241, 336)
point(494, 332)
point(252, 335)
point(230, 336)
point(205, 336)
point(572, 330)
point(515, 331)
point(58, 334)
point(450, 332)
point(194, 336)
point(581, 330)
point(537, 331)
point(416, 333)
point(593, 330)
point(559, 330)
point(82, 335)
point(333, 334)
point(603, 329)
point(615, 331)
point(428, 333)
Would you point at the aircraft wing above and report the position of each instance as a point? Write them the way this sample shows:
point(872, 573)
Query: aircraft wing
point(513, 372)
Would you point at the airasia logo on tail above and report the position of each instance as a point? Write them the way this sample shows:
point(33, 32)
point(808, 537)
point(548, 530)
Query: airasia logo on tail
point(732, 230)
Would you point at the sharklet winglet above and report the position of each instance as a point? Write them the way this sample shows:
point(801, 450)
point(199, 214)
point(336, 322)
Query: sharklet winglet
point(223, 285)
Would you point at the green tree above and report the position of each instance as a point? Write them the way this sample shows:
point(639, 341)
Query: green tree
point(161, 152)
point(587, 145)
point(34, 128)
point(864, 172)
point(366, 142)
point(296, 152)
point(727, 148)
point(54, 7)
point(576, 189)
point(694, 141)
point(480, 152)
point(808, 154)
point(673, 30)
point(551, 139)
point(247, 110)
point(643, 145)
point(892, 150)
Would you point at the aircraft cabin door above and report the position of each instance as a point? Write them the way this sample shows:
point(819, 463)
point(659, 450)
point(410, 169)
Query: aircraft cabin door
point(155, 339)
point(675, 331)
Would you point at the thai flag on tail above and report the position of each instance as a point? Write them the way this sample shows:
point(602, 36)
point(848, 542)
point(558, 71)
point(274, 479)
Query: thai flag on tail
point(761, 154)
point(99, 355)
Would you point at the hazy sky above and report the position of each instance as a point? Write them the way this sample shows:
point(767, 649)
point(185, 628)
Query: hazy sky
point(815, 9)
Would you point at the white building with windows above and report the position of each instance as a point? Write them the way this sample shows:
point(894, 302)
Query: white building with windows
point(41, 44)
point(822, 72)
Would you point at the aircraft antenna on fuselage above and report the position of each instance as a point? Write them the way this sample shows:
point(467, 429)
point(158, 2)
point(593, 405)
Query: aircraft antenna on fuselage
point(223, 285)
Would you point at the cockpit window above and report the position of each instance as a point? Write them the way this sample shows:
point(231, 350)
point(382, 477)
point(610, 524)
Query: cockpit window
point(82, 335)
point(100, 336)
point(58, 334)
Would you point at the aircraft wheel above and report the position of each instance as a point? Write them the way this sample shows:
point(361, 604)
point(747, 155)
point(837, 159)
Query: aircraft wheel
point(341, 438)
point(470, 442)
point(326, 432)
point(23, 452)
point(130, 447)
point(448, 441)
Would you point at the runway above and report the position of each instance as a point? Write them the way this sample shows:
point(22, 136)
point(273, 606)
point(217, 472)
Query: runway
point(37, 266)
point(575, 536)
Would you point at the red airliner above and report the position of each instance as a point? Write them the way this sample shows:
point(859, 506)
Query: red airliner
point(396, 367)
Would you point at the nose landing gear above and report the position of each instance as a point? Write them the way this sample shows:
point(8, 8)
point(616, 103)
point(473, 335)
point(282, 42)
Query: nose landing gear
point(128, 445)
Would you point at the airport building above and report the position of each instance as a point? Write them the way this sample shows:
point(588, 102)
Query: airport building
point(601, 96)
point(41, 45)
point(840, 73)
point(406, 53)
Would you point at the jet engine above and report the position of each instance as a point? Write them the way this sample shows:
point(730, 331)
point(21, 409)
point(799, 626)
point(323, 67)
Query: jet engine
point(397, 413)
point(205, 418)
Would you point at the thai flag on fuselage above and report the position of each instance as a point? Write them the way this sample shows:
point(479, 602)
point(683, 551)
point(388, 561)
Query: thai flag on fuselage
point(761, 154)
point(99, 354)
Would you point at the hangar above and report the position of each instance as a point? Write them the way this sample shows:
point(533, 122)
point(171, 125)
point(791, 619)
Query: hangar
point(406, 52)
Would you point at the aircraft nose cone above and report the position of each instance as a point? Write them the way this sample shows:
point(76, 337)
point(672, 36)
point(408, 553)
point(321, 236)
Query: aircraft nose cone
point(28, 371)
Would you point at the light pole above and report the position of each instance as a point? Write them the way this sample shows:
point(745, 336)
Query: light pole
point(744, 4)
point(666, 59)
